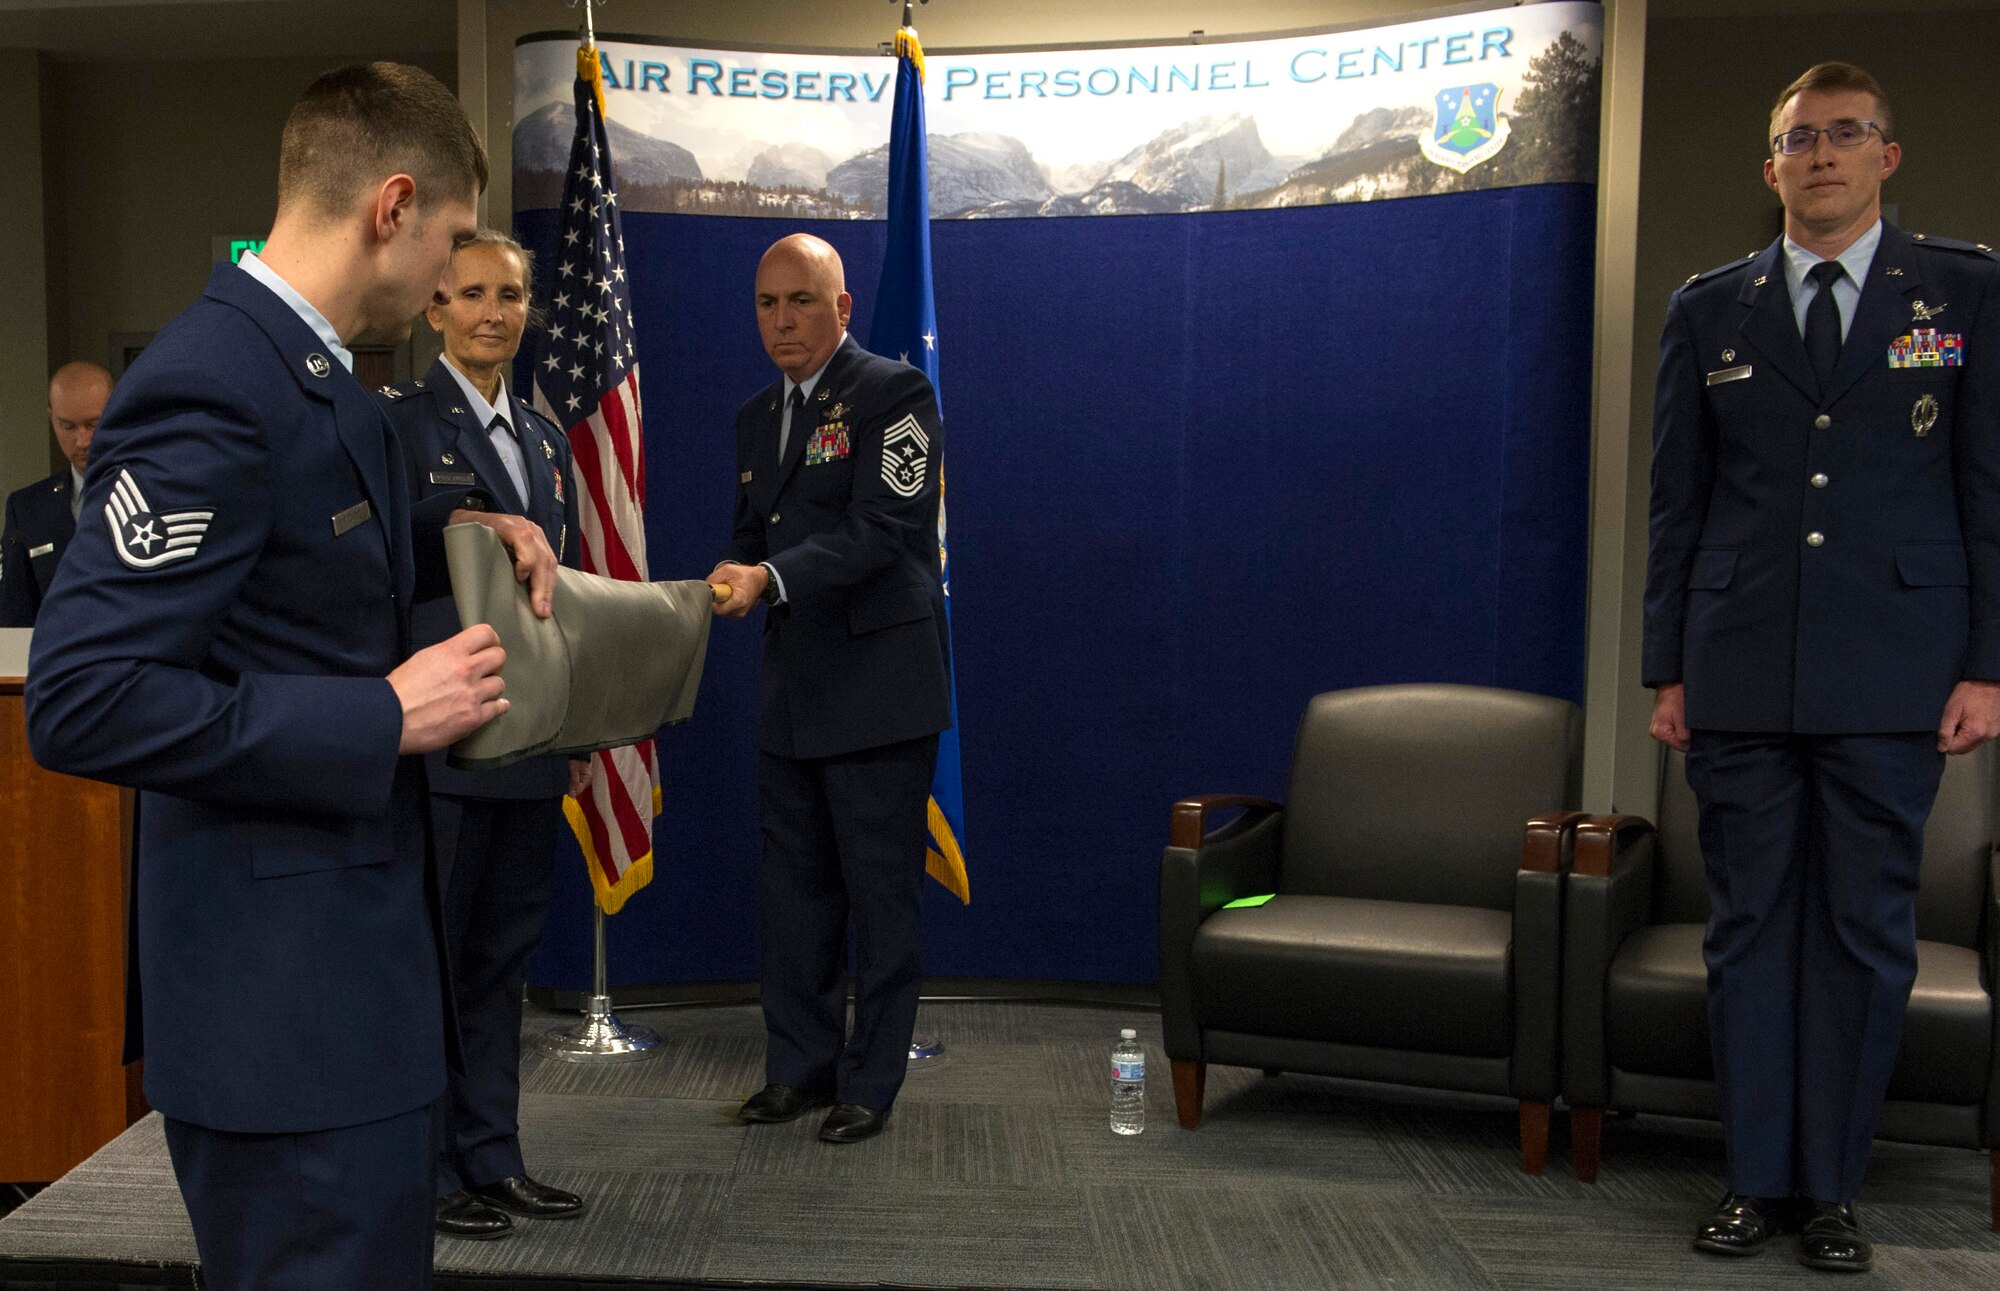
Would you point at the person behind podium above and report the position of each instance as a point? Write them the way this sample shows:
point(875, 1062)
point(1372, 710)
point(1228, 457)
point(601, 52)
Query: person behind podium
point(42, 517)
point(494, 830)
point(836, 530)
point(229, 634)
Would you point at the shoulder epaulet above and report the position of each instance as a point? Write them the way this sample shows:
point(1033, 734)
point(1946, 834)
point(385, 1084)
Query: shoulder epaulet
point(1953, 244)
point(1721, 268)
point(547, 424)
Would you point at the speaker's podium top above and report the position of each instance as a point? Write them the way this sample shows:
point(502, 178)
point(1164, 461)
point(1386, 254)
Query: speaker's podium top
point(14, 656)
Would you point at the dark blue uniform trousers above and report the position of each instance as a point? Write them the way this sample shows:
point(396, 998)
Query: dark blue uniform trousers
point(844, 837)
point(495, 859)
point(333, 1210)
point(1812, 845)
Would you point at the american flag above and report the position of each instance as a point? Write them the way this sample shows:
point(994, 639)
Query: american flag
point(586, 378)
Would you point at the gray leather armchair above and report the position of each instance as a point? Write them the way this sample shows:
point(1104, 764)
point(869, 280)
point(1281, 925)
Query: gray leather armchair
point(1414, 937)
point(1635, 1016)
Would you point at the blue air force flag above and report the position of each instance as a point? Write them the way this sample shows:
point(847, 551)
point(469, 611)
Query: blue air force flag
point(905, 327)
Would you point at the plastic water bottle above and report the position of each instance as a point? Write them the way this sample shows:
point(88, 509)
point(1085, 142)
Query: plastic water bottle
point(1128, 1084)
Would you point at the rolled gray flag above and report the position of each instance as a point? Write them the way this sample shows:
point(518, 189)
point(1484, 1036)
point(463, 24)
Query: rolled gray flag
point(617, 661)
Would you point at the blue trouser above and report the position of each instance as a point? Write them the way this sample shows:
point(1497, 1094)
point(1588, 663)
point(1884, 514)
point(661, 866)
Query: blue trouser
point(1812, 846)
point(331, 1210)
point(495, 859)
point(844, 838)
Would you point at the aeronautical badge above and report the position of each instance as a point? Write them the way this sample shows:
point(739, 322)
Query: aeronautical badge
point(1467, 130)
point(147, 539)
point(905, 457)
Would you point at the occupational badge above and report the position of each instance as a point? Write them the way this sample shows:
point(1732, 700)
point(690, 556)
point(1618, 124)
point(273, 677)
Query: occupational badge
point(147, 539)
point(905, 457)
point(1922, 313)
point(1924, 415)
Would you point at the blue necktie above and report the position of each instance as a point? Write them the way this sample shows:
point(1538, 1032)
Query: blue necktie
point(1823, 322)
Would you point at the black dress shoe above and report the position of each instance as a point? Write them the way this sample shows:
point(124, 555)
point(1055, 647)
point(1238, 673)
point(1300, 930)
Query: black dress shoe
point(1742, 1224)
point(851, 1123)
point(517, 1194)
point(775, 1104)
point(1832, 1239)
point(464, 1215)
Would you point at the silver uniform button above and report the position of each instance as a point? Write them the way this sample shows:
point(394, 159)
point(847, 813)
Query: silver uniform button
point(775, 517)
point(1822, 421)
point(1815, 538)
point(1819, 479)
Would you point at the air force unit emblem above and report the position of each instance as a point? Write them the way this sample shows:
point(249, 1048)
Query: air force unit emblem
point(146, 539)
point(906, 458)
point(1468, 129)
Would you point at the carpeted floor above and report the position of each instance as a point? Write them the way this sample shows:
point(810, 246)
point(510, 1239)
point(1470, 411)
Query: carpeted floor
point(997, 1170)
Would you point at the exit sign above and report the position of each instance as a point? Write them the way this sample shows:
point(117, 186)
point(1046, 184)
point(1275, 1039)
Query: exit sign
point(230, 249)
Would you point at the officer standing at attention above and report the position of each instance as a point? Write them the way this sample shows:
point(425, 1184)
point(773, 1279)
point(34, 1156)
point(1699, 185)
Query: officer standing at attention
point(229, 634)
point(1822, 629)
point(837, 532)
point(42, 517)
point(494, 830)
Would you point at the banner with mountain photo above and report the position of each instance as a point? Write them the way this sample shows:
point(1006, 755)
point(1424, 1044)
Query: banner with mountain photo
point(1270, 369)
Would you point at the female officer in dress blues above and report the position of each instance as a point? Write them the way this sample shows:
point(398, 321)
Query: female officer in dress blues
point(495, 829)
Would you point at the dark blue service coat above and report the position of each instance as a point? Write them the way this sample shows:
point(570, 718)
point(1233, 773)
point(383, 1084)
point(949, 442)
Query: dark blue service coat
point(224, 651)
point(37, 532)
point(1827, 563)
point(858, 657)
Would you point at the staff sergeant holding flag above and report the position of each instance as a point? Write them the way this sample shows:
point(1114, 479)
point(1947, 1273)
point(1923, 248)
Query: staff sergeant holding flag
point(836, 532)
point(229, 633)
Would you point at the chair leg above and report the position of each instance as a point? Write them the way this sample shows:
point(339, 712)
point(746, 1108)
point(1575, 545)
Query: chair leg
point(1586, 1140)
point(1993, 1188)
point(1190, 1079)
point(1534, 1136)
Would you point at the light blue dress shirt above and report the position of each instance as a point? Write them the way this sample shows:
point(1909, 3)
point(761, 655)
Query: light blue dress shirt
point(505, 437)
point(1857, 260)
point(298, 304)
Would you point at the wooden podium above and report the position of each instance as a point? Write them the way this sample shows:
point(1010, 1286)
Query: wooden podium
point(65, 853)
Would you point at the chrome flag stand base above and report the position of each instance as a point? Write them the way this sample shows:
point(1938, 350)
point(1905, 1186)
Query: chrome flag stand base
point(599, 1037)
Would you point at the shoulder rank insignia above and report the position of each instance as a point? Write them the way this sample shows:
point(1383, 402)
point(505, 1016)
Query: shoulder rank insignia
point(905, 457)
point(391, 392)
point(146, 539)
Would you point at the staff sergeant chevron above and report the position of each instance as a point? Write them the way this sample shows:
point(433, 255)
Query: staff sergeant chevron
point(144, 539)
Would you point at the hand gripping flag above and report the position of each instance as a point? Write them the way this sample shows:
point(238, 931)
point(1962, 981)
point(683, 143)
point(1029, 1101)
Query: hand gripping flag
point(586, 378)
point(906, 326)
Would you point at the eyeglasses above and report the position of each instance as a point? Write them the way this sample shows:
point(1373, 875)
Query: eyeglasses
point(1841, 134)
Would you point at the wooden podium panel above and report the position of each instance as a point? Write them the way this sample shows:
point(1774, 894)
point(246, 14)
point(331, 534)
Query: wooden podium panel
point(64, 849)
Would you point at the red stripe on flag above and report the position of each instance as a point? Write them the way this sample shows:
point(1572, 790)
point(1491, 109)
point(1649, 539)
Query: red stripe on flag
point(622, 440)
point(616, 561)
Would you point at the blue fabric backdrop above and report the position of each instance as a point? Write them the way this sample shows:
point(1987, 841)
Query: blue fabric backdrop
point(1199, 468)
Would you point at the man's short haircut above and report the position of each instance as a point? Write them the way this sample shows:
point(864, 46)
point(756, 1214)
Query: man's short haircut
point(357, 125)
point(1837, 78)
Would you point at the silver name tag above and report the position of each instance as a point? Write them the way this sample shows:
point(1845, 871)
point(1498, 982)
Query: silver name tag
point(357, 514)
point(42, 550)
point(1729, 374)
point(463, 479)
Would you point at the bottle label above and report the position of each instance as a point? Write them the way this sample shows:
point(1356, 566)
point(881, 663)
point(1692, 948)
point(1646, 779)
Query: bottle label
point(1128, 1071)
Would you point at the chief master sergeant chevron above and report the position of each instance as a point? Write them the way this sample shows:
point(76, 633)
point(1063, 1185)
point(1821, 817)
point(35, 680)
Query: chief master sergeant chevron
point(1822, 628)
point(229, 633)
